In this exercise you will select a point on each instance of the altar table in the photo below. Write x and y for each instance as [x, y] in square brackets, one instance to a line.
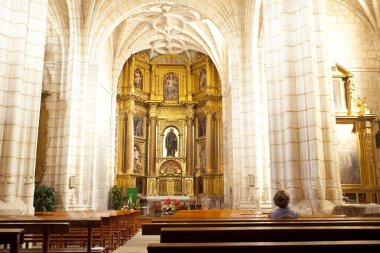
[154, 201]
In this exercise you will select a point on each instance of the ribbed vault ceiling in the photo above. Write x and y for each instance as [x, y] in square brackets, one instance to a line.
[167, 28]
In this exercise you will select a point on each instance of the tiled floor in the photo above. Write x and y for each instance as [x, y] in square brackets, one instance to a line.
[138, 243]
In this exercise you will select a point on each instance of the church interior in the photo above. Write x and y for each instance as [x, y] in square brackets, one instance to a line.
[216, 104]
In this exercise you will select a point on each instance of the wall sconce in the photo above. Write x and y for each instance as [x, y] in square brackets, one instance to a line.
[72, 182]
[251, 180]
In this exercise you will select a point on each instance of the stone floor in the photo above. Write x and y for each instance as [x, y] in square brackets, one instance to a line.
[138, 243]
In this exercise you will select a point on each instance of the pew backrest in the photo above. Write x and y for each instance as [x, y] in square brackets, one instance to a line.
[267, 247]
[38, 227]
[267, 234]
[155, 228]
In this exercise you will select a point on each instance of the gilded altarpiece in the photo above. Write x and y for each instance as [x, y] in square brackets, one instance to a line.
[169, 126]
[356, 158]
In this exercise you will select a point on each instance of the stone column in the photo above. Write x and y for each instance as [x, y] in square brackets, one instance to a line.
[23, 36]
[300, 103]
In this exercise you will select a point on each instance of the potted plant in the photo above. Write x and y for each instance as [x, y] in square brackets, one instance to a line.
[117, 197]
[44, 198]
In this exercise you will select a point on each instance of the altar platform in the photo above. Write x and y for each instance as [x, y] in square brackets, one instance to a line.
[357, 210]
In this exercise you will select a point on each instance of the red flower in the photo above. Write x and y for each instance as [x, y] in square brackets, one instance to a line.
[176, 202]
[167, 202]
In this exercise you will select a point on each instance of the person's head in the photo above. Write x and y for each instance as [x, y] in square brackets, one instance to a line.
[281, 199]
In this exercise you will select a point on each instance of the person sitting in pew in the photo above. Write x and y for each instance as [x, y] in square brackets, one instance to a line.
[281, 199]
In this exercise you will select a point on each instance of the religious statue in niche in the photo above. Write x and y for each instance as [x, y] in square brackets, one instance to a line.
[137, 79]
[170, 86]
[171, 143]
[137, 160]
[201, 127]
[202, 79]
[138, 126]
[202, 160]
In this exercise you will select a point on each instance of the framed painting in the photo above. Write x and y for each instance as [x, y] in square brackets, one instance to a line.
[350, 197]
[349, 165]
[171, 86]
[138, 126]
[342, 87]
[340, 98]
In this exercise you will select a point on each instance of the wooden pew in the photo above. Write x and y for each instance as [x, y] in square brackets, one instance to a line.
[109, 226]
[71, 221]
[117, 226]
[155, 228]
[266, 234]
[43, 228]
[13, 237]
[83, 229]
[232, 215]
[267, 247]
[249, 219]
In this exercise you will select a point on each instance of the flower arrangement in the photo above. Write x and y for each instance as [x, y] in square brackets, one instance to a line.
[130, 205]
[169, 207]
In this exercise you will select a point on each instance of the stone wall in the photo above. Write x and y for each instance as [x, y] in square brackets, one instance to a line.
[355, 45]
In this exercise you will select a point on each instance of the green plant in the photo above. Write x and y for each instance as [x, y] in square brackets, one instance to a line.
[44, 198]
[117, 197]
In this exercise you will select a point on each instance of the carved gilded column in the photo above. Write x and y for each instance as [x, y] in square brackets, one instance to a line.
[152, 146]
[367, 152]
[123, 141]
[131, 74]
[189, 84]
[189, 146]
[218, 136]
[154, 83]
[209, 141]
[130, 143]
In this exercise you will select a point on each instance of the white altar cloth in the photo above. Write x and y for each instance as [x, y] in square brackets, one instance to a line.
[151, 200]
